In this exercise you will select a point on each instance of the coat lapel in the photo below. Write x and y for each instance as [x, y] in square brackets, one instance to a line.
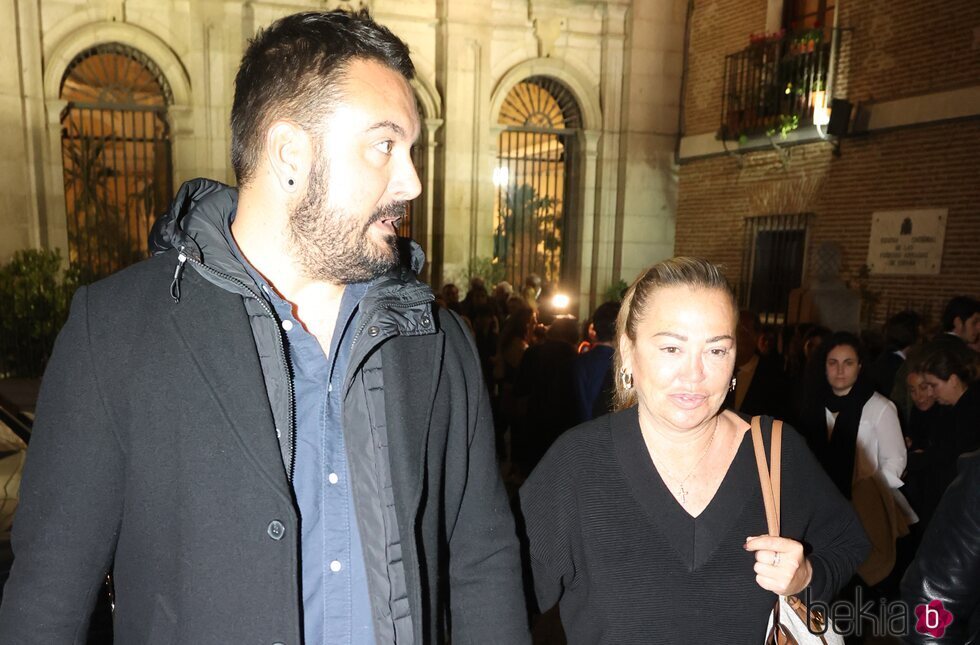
[410, 379]
[214, 328]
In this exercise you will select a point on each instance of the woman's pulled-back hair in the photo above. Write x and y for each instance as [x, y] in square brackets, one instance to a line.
[943, 361]
[694, 273]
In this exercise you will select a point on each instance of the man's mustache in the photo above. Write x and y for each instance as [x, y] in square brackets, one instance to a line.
[389, 211]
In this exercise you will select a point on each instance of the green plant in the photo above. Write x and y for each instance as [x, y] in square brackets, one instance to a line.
[530, 222]
[489, 269]
[615, 291]
[36, 294]
[787, 123]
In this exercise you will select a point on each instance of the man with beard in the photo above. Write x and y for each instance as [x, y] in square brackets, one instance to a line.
[266, 430]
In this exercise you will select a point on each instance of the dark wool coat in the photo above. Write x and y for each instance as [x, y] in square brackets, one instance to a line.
[155, 452]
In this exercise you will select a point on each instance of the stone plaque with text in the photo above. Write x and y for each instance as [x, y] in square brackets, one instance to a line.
[907, 242]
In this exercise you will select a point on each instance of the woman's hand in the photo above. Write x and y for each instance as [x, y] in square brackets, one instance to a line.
[780, 566]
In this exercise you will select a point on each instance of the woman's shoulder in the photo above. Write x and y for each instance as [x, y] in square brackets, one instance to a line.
[581, 449]
[792, 439]
[878, 405]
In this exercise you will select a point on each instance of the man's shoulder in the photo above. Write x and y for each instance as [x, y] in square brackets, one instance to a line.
[138, 281]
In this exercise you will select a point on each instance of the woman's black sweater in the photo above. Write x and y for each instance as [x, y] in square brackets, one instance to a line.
[627, 563]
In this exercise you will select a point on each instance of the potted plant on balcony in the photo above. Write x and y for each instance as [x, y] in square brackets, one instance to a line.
[786, 124]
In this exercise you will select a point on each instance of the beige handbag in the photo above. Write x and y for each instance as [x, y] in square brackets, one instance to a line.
[790, 622]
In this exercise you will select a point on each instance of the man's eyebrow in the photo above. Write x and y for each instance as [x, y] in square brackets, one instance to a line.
[388, 125]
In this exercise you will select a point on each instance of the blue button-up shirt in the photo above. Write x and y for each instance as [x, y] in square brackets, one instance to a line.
[336, 604]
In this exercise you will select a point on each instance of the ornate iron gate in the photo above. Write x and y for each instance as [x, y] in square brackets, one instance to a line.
[116, 154]
[536, 155]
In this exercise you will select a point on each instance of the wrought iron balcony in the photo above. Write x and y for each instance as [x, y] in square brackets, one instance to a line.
[773, 86]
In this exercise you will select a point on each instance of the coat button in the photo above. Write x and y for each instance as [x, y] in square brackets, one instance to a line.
[425, 321]
[276, 530]
[373, 331]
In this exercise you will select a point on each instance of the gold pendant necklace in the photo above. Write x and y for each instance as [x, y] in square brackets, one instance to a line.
[683, 492]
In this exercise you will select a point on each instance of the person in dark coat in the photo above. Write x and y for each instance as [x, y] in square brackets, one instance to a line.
[592, 371]
[942, 586]
[760, 384]
[545, 394]
[266, 430]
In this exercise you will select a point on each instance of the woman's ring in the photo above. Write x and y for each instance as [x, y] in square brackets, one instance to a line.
[775, 559]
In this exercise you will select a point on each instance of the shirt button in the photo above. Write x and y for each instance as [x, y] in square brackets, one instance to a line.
[332, 478]
[335, 566]
[373, 331]
[276, 530]
[287, 324]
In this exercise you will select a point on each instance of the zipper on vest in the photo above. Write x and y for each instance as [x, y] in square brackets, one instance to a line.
[290, 438]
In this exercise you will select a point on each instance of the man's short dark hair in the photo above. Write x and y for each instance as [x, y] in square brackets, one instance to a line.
[902, 330]
[294, 70]
[604, 321]
[962, 307]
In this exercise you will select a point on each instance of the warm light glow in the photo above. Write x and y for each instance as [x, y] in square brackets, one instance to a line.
[559, 301]
[501, 175]
[821, 113]
[821, 116]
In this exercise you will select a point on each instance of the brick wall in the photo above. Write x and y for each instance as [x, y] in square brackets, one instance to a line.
[934, 166]
[902, 48]
[892, 49]
[718, 28]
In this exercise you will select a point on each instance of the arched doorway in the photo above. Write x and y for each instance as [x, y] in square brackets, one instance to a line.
[534, 175]
[116, 154]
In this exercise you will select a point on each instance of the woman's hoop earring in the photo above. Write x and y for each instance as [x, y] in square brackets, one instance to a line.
[626, 378]
[732, 387]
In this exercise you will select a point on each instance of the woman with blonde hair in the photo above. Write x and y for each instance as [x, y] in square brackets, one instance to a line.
[647, 525]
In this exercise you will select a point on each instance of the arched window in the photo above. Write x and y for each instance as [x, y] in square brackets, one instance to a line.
[535, 167]
[116, 154]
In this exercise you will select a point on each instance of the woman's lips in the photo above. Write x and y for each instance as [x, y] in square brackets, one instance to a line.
[688, 400]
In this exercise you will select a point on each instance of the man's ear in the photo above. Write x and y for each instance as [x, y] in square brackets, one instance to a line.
[289, 151]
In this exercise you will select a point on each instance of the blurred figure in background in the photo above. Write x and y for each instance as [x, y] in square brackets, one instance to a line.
[901, 333]
[545, 394]
[760, 383]
[593, 370]
[953, 378]
[856, 435]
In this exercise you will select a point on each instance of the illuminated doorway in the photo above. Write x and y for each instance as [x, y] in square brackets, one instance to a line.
[117, 156]
[534, 177]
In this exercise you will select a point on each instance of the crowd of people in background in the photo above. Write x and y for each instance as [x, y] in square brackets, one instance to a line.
[886, 413]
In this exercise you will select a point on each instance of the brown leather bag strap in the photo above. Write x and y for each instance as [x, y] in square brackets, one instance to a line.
[769, 480]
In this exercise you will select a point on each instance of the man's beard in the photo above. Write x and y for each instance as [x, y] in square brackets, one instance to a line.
[331, 244]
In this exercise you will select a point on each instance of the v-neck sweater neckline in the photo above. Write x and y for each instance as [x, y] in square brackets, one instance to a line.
[693, 539]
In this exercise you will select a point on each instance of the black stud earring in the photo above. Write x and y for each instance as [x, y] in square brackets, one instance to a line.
[290, 182]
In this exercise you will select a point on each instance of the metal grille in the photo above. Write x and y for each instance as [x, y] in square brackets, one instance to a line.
[773, 86]
[116, 155]
[533, 178]
[773, 264]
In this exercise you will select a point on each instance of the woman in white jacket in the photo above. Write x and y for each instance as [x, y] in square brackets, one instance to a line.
[856, 435]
